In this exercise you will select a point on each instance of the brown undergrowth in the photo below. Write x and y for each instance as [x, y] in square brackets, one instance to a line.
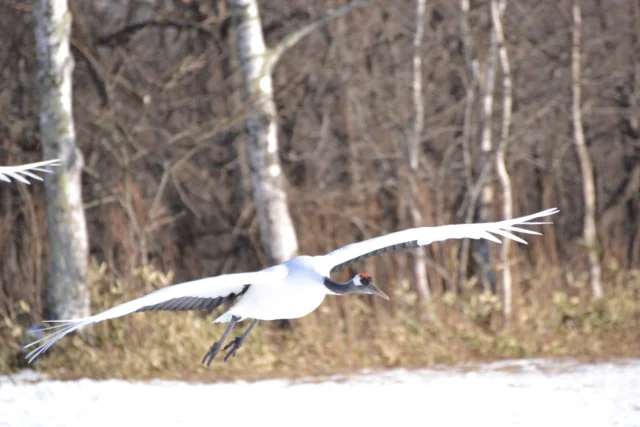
[343, 335]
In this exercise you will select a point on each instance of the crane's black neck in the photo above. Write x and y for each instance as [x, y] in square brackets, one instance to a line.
[340, 288]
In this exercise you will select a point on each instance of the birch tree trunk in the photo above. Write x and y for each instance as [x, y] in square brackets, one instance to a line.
[68, 290]
[420, 277]
[472, 76]
[256, 64]
[481, 192]
[497, 11]
[276, 227]
[586, 167]
[483, 213]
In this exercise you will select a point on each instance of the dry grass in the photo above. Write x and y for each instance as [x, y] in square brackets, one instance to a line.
[343, 335]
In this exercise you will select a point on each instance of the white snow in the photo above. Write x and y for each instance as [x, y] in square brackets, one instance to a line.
[514, 393]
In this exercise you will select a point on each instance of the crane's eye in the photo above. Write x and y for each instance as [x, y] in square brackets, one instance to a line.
[365, 279]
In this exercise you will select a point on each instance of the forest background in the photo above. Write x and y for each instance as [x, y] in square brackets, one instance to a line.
[389, 114]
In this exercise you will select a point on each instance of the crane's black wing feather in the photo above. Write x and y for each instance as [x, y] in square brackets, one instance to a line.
[193, 303]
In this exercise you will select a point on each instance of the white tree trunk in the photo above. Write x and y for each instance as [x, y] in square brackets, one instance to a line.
[276, 227]
[588, 186]
[68, 290]
[419, 258]
[497, 10]
[472, 76]
[256, 63]
[485, 202]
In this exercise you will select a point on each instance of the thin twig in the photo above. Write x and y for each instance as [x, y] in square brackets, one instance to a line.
[290, 40]
[123, 35]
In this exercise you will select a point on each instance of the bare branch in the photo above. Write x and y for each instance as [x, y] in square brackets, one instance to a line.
[293, 38]
[124, 34]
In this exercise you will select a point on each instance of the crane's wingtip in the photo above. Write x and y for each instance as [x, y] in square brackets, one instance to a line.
[550, 211]
[46, 342]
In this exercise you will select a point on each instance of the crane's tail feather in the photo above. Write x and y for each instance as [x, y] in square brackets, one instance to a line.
[63, 328]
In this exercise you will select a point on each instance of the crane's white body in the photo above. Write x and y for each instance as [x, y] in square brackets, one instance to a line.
[22, 172]
[295, 288]
[296, 292]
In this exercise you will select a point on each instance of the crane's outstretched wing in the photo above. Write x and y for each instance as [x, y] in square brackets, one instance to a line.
[202, 294]
[414, 237]
[17, 172]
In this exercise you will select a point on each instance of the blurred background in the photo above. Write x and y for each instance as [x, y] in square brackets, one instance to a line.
[386, 115]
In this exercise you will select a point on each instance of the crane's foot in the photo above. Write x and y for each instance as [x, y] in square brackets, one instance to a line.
[215, 348]
[212, 353]
[238, 341]
[234, 345]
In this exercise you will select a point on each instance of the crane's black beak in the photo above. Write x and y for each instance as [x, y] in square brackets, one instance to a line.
[373, 290]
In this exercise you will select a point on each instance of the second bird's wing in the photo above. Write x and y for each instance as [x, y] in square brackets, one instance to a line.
[415, 237]
[22, 172]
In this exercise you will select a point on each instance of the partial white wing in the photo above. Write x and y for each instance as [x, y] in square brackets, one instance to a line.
[17, 172]
[414, 237]
[203, 294]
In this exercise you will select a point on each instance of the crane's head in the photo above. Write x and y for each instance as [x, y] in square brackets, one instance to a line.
[363, 284]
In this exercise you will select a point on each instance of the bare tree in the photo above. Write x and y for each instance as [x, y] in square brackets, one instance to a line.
[68, 290]
[256, 63]
[497, 11]
[471, 69]
[276, 227]
[419, 259]
[480, 193]
[483, 213]
[586, 167]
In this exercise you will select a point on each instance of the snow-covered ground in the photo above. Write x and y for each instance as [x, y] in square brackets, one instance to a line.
[515, 393]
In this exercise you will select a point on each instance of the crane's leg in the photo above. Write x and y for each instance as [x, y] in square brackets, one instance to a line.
[238, 341]
[215, 348]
